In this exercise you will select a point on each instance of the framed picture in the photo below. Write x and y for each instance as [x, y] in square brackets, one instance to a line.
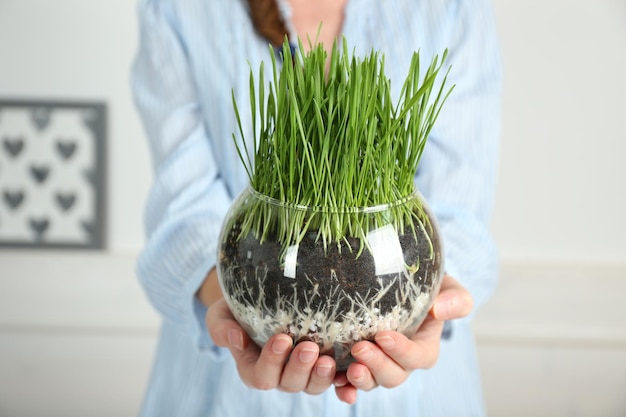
[52, 174]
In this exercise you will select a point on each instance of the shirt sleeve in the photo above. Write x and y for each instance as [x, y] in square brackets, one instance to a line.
[457, 173]
[188, 200]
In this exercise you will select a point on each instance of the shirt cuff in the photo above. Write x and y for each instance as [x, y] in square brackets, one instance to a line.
[196, 311]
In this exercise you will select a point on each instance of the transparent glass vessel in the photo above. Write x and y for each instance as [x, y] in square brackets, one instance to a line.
[332, 276]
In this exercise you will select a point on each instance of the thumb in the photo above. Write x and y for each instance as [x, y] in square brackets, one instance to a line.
[453, 301]
[223, 328]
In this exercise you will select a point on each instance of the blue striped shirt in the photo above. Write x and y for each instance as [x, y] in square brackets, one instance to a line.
[192, 53]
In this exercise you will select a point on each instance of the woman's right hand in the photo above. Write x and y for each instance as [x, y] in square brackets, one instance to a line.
[278, 364]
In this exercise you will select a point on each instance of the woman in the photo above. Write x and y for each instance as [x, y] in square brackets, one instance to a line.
[192, 54]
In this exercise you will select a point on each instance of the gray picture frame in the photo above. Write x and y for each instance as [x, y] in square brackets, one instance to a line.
[94, 115]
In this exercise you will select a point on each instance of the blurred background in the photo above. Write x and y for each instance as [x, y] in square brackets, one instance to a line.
[77, 335]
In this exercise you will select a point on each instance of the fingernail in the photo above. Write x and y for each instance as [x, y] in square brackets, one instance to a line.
[235, 338]
[341, 382]
[307, 355]
[324, 370]
[364, 354]
[281, 345]
[386, 342]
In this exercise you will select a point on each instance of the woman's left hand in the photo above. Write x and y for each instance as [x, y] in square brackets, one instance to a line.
[390, 360]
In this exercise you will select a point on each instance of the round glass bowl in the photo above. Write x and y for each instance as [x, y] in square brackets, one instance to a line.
[332, 276]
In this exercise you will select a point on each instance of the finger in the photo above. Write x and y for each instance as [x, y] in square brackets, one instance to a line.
[226, 332]
[374, 367]
[322, 375]
[360, 377]
[343, 390]
[347, 394]
[224, 329]
[453, 301]
[297, 372]
[419, 352]
[263, 372]
[340, 379]
[260, 369]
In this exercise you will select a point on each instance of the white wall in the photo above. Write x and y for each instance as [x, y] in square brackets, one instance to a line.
[81, 335]
[561, 192]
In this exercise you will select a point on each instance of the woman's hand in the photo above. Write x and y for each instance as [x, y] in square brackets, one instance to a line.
[279, 364]
[390, 360]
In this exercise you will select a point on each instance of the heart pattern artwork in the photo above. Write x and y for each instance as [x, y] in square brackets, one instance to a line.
[66, 148]
[13, 146]
[52, 183]
[13, 199]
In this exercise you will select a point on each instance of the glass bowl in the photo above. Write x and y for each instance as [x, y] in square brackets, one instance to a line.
[328, 275]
